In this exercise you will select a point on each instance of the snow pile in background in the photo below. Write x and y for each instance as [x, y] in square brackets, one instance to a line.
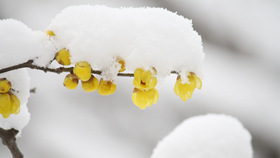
[143, 37]
[21, 88]
[18, 44]
[209, 136]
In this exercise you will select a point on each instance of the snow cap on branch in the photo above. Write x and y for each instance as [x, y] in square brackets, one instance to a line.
[209, 136]
[18, 44]
[142, 37]
[20, 82]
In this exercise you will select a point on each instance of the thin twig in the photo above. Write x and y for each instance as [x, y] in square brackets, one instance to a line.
[9, 139]
[33, 90]
[29, 64]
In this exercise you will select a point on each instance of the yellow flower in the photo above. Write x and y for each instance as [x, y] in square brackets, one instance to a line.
[106, 87]
[5, 105]
[143, 99]
[71, 81]
[185, 90]
[121, 61]
[50, 33]
[90, 85]
[15, 104]
[5, 85]
[9, 104]
[144, 79]
[63, 57]
[82, 70]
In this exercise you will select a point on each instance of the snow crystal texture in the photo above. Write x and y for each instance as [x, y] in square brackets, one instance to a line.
[18, 44]
[143, 37]
[21, 88]
[209, 136]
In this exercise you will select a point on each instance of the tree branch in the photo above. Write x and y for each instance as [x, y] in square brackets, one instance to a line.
[33, 90]
[29, 64]
[9, 139]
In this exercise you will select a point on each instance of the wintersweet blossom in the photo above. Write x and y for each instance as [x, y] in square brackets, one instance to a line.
[185, 90]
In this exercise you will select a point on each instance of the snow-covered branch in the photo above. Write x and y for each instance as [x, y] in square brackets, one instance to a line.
[146, 43]
[30, 64]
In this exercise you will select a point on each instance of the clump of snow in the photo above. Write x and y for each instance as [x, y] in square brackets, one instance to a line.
[143, 37]
[209, 136]
[21, 88]
[18, 44]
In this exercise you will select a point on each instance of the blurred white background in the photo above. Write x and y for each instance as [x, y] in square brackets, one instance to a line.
[242, 79]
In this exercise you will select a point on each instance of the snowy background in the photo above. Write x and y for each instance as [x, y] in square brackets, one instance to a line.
[241, 43]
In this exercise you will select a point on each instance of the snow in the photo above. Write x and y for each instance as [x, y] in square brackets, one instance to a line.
[224, 90]
[143, 37]
[21, 88]
[18, 44]
[206, 136]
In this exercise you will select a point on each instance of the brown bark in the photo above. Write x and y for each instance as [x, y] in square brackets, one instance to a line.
[9, 139]
[29, 64]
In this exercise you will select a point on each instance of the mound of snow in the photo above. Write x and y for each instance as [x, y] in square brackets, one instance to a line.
[209, 136]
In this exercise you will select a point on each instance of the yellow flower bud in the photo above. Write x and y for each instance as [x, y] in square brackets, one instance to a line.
[144, 80]
[15, 104]
[5, 105]
[90, 85]
[106, 87]
[139, 99]
[185, 90]
[176, 87]
[5, 85]
[63, 57]
[50, 33]
[152, 95]
[71, 81]
[143, 99]
[121, 61]
[198, 83]
[83, 70]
